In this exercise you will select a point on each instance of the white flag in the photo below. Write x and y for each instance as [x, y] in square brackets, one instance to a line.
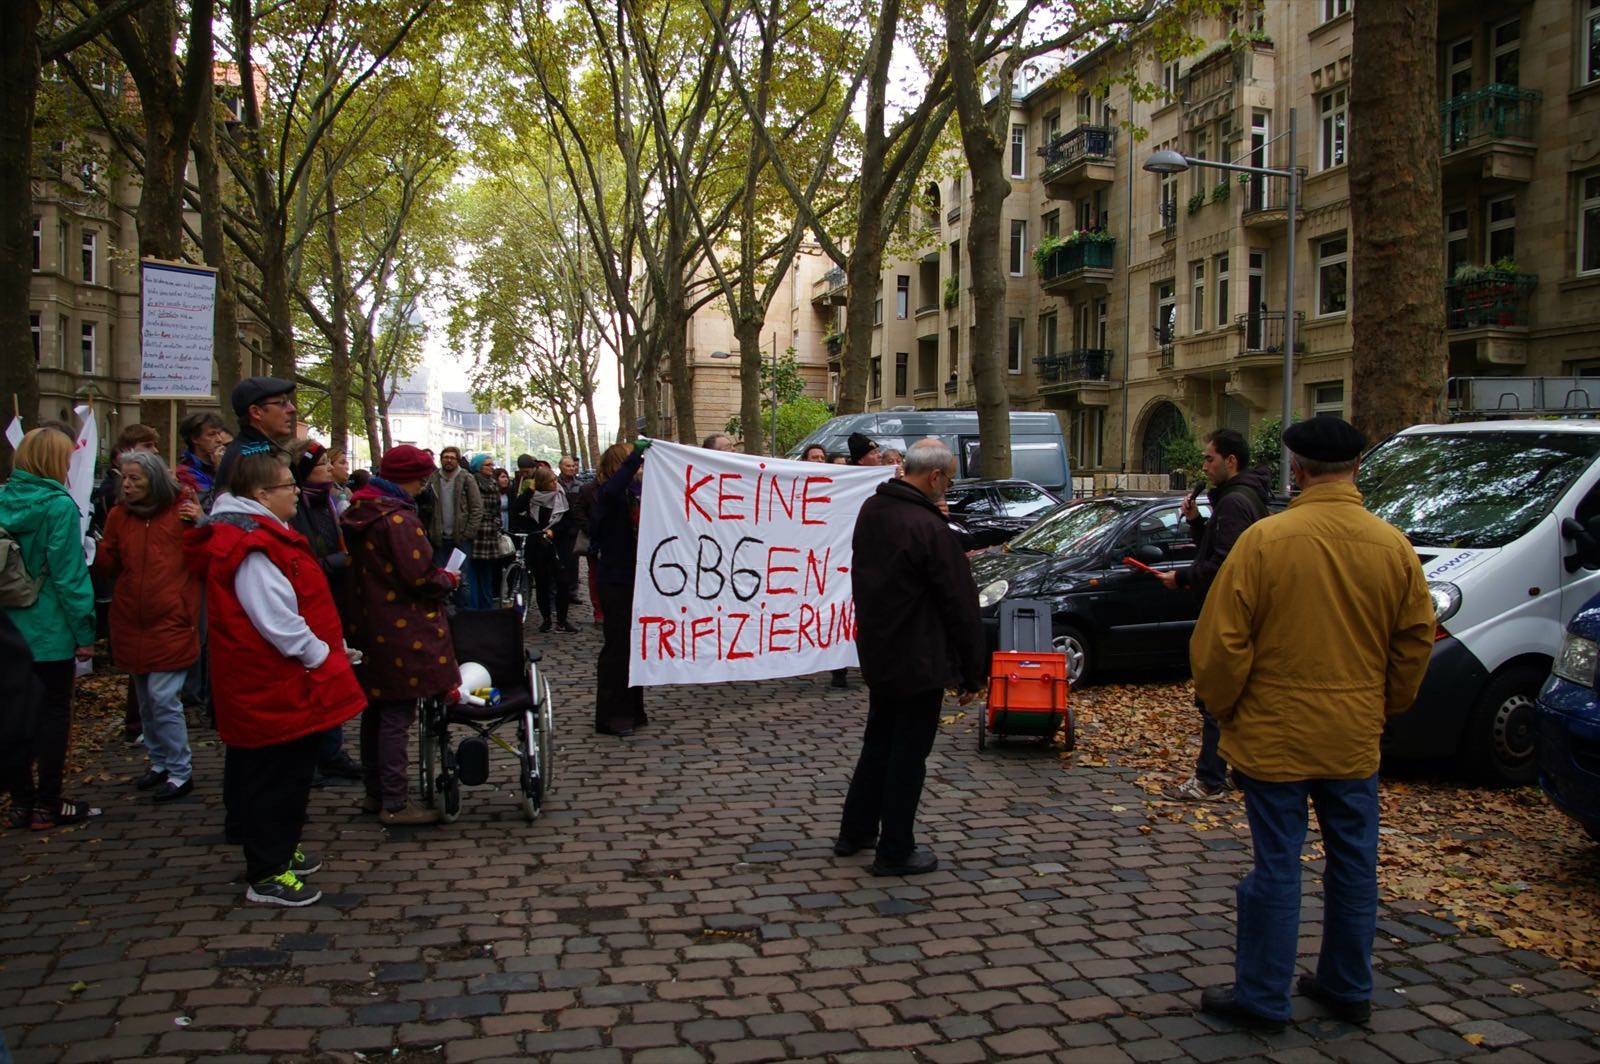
[14, 432]
[80, 471]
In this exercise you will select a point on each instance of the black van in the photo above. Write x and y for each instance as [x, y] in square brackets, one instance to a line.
[1038, 450]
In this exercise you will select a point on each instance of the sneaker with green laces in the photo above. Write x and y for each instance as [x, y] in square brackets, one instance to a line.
[285, 888]
[303, 863]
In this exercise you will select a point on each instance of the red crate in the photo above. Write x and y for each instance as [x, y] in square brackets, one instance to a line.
[1028, 695]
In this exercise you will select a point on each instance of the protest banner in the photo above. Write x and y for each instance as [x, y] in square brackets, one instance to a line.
[744, 566]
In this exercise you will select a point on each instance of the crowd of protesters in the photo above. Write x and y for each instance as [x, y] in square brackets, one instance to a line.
[321, 593]
[324, 595]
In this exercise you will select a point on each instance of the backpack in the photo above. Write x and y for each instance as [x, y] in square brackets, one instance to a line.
[18, 590]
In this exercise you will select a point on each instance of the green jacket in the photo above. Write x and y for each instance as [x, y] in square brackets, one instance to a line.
[44, 521]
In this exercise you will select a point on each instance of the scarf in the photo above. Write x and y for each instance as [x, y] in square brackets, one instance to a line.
[555, 501]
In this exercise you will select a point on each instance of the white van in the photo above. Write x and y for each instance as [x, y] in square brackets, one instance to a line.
[1489, 507]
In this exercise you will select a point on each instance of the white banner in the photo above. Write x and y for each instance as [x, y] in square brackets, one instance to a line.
[744, 566]
[80, 472]
[176, 316]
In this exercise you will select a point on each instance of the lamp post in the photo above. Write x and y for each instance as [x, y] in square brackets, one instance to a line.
[1172, 162]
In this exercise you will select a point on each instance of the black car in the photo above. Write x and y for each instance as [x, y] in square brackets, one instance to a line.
[1104, 612]
[989, 512]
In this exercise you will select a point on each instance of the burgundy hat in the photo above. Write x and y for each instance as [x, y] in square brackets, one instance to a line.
[307, 462]
[405, 462]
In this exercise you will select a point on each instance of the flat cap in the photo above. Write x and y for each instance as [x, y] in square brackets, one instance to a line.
[1325, 438]
[253, 390]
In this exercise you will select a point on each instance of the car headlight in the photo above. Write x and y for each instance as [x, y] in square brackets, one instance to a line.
[992, 593]
[1446, 599]
[1577, 659]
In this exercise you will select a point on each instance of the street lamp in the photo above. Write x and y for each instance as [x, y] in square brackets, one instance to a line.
[1167, 161]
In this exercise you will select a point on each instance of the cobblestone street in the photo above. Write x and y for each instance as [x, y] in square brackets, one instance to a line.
[680, 901]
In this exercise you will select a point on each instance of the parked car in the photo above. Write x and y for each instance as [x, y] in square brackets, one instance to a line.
[1038, 449]
[989, 512]
[1569, 723]
[1104, 612]
[1494, 510]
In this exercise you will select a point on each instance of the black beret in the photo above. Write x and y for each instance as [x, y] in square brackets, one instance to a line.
[253, 390]
[860, 445]
[1325, 438]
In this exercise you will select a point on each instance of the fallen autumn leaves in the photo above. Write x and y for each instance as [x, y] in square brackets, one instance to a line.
[1504, 861]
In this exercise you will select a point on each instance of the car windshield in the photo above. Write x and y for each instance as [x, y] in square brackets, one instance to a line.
[1074, 528]
[1472, 489]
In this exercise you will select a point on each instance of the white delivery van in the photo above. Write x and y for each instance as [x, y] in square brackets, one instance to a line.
[1494, 510]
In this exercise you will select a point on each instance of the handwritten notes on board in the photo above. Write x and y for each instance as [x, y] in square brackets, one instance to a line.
[176, 330]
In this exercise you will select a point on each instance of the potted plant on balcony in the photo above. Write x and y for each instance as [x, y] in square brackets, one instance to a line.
[1197, 201]
[952, 292]
[1221, 191]
[1043, 250]
[834, 342]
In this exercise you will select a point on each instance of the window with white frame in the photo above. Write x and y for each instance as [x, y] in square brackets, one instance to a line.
[1589, 44]
[1223, 315]
[1014, 345]
[1052, 223]
[877, 311]
[1170, 80]
[1333, 109]
[1085, 437]
[1101, 313]
[1019, 245]
[1047, 335]
[36, 330]
[1197, 298]
[1166, 315]
[88, 347]
[1085, 108]
[1332, 9]
[1019, 150]
[90, 238]
[1333, 281]
[1169, 199]
[875, 379]
[1328, 399]
[1589, 224]
[38, 244]
[1505, 42]
[1500, 235]
[1050, 128]
[902, 296]
[86, 175]
[1200, 148]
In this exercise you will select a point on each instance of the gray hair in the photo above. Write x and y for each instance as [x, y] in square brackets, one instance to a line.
[926, 456]
[1316, 468]
[164, 486]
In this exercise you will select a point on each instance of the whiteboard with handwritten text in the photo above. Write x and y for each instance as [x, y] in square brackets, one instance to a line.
[176, 326]
[744, 566]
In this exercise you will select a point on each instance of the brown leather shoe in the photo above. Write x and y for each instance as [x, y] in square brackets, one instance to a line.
[409, 815]
[371, 804]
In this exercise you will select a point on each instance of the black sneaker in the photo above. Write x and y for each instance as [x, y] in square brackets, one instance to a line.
[1218, 1001]
[303, 863]
[915, 863]
[171, 792]
[545, 625]
[285, 889]
[563, 626]
[1356, 1012]
[152, 777]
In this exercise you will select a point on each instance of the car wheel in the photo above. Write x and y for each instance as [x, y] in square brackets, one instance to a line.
[1500, 741]
[1593, 831]
[1071, 642]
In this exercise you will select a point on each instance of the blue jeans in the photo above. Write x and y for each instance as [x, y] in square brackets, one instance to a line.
[1209, 768]
[1269, 896]
[166, 733]
[481, 584]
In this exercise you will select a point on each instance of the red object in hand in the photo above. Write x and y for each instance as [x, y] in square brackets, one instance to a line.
[1137, 564]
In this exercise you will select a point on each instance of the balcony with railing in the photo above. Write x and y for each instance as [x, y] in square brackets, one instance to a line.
[1489, 299]
[1079, 160]
[1266, 203]
[1084, 372]
[1083, 263]
[831, 287]
[1263, 332]
[1489, 133]
[953, 215]
[1167, 220]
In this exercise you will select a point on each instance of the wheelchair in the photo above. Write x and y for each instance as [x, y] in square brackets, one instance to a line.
[514, 580]
[493, 638]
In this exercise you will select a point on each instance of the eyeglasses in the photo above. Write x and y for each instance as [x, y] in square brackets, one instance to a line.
[280, 401]
[291, 485]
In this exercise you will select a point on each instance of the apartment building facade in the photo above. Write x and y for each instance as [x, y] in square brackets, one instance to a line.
[1140, 306]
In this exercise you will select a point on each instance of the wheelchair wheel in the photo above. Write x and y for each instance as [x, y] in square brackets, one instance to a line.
[547, 740]
[514, 593]
[530, 773]
[447, 785]
[427, 750]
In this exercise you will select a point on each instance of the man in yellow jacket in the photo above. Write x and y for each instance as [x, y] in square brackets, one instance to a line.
[1318, 627]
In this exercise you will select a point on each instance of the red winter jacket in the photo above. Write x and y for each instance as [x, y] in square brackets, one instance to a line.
[155, 601]
[262, 697]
